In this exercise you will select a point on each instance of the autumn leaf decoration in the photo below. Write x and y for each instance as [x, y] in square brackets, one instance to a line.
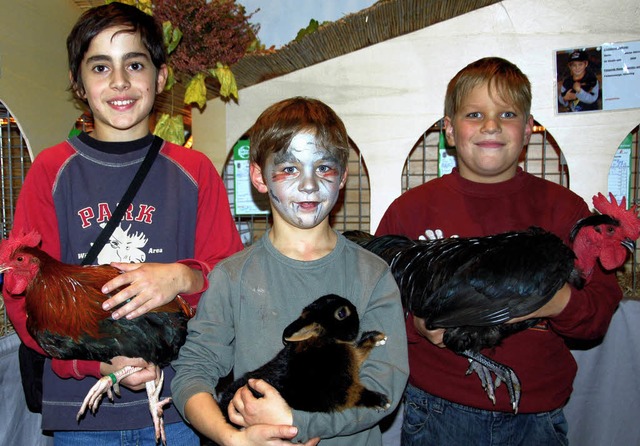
[203, 39]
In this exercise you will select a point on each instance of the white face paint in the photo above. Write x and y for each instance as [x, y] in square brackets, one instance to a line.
[303, 181]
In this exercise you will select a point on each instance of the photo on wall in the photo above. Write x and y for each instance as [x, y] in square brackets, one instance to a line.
[579, 80]
[606, 77]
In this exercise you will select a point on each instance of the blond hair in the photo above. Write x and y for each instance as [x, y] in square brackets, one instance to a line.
[501, 76]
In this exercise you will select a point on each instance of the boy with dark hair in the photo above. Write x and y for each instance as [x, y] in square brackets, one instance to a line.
[488, 120]
[179, 222]
[299, 151]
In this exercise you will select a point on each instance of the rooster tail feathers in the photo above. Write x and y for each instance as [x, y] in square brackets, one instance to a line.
[359, 237]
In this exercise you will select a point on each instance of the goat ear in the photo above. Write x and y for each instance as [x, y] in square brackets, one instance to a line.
[304, 333]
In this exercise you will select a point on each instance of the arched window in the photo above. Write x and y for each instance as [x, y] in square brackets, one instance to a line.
[15, 162]
[625, 174]
[429, 158]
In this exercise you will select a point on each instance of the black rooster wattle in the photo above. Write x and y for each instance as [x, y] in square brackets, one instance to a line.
[472, 286]
[64, 311]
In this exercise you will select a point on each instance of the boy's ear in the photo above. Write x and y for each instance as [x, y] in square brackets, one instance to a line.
[345, 174]
[255, 173]
[79, 92]
[528, 130]
[161, 78]
[448, 132]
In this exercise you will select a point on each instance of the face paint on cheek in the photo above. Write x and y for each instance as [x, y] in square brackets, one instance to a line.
[274, 197]
[278, 177]
[303, 182]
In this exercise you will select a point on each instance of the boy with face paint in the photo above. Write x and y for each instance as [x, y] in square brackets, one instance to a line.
[303, 182]
[299, 153]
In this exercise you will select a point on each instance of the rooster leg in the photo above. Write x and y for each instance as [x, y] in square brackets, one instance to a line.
[485, 378]
[104, 385]
[484, 366]
[156, 406]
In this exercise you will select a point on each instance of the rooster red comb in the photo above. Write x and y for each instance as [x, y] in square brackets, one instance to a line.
[31, 239]
[628, 217]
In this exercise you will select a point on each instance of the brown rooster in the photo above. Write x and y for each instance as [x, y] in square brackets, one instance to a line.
[64, 311]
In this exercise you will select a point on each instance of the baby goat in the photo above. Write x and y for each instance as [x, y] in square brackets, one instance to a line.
[317, 370]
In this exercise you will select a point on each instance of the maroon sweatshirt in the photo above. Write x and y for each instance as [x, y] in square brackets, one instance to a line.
[538, 356]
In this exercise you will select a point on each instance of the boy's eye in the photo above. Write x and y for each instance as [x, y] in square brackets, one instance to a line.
[509, 114]
[289, 169]
[474, 115]
[99, 68]
[136, 66]
[324, 169]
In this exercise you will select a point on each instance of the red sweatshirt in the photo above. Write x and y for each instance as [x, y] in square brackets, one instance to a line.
[538, 356]
[180, 212]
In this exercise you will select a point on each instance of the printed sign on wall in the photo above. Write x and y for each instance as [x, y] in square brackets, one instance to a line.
[606, 77]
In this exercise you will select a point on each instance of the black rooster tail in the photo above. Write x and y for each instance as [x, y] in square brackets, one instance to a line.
[359, 237]
[385, 246]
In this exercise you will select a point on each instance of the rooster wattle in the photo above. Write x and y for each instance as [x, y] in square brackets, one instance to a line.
[472, 286]
[64, 311]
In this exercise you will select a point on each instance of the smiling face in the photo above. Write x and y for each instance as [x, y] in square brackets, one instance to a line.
[489, 136]
[120, 83]
[578, 68]
[303, 182]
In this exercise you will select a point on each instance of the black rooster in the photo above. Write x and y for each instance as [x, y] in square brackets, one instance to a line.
[317, 370]
[65, 317]
[473, 286]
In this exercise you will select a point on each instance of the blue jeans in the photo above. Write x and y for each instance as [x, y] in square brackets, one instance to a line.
[178, 434]
[433, 421]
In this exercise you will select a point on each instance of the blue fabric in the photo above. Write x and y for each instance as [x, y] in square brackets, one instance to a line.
[432, 421]
[18, 426]
[178, 434]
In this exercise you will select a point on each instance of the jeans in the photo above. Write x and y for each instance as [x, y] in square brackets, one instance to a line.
[433, 421]
[178, 434]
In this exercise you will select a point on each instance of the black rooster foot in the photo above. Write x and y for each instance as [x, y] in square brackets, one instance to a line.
[484, 367]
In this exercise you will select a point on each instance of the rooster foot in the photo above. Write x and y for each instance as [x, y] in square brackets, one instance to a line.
[484, 366]
[156, 407]
[104, 385]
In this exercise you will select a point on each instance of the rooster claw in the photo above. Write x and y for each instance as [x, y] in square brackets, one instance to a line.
[484, 366]
[156, 407]
[104, 385]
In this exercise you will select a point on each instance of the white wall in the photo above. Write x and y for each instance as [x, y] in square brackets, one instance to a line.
[390, 93]
[33, 68]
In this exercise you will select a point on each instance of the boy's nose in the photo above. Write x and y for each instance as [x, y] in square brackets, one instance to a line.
[491, 125]
[120, 80]
[308, 184]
